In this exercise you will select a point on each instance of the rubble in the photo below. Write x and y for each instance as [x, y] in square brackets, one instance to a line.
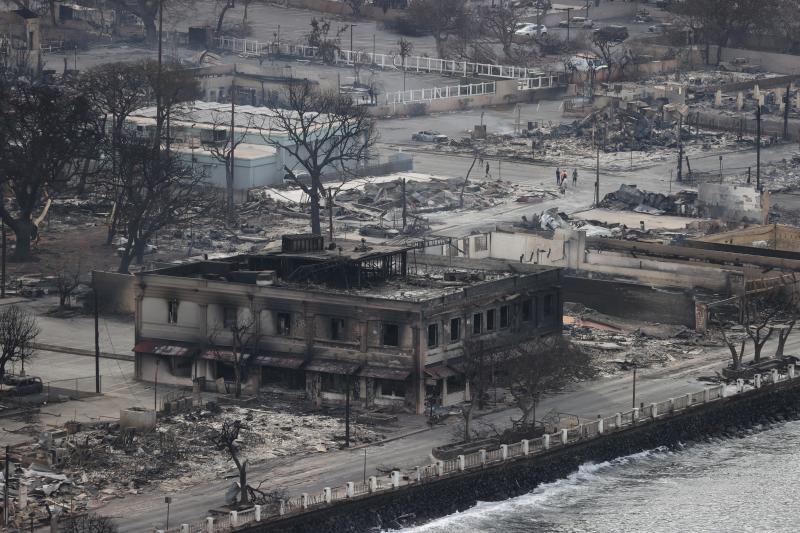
[630, 197]
[86, 464]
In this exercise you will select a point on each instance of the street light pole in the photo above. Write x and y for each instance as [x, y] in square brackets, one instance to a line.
[634, 387]
[167, 500]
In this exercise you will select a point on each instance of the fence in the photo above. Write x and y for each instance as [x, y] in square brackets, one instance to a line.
[252, 48]
[74, 388]
[439, 93]
[586, 431]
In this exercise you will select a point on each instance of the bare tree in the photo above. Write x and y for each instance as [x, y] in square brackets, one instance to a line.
[442, 18]
[117, 89]
[224, 151]
[225, 439]
[328, 45]
[320, 131]
[356, 6]
[608, 40]
[502, 22]
[156, 194]
[45, 131]
[18, 332]
[758, 313]
[533, 367]
[736, 342]
[67, 278]
[87, 523]
[475, 366]
[244, 338]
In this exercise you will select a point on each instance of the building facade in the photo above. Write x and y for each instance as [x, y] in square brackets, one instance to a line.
[321, 321]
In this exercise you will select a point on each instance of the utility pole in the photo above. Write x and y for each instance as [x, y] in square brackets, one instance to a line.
[569, 10]
[96, 336]
[6, 478]
[405, 204]
[232, 154]
[680, 149]
[587, 8]
[347, 414]
[597, 179]
[786, 101]
[353, 54]
[3, 281]
[758, 147]
[634, 387]
[330, 214]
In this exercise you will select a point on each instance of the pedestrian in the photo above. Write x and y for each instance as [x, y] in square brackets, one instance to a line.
[564, 178]
[574, 177]
[558, 176]
[487, 169]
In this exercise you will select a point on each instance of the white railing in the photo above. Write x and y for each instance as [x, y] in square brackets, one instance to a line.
[532, 78]
[585, 431]
[439, 93]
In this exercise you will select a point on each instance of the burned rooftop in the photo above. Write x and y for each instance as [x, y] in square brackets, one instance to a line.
[346, 266]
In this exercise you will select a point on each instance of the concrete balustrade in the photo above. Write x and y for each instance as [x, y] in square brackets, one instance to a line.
[469, 462]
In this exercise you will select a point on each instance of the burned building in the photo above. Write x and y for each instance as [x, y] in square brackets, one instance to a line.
[320, 320]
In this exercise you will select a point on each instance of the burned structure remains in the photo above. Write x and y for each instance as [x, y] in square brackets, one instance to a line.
[322, 319]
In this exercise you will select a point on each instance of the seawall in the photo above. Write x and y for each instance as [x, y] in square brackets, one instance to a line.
[442, 496]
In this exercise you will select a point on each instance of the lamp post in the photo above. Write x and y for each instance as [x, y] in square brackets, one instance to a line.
[167, 500]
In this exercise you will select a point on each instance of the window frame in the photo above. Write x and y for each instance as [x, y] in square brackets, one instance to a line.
[227, 321]
[172, 311]
[384, 326]
[457, 329]
[477, 323]
[433, 327]
[505, 322]
[285, 318]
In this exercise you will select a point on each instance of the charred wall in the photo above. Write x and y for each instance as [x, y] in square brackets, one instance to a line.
[632, 300]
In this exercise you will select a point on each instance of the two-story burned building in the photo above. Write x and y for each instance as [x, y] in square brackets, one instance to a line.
[325, 319]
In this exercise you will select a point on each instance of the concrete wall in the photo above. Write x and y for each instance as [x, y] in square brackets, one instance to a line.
[733, 203]
[632, 300]
[769, 61]
[116, 294]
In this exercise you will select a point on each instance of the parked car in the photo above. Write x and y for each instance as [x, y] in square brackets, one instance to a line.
[23, 385]
[531, 29]
[429, 137]
[577, 22]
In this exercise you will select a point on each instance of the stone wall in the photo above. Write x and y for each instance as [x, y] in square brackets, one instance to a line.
[512, 478]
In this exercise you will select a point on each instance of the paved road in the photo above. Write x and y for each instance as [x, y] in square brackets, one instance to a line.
[655, 178]
[312, 473]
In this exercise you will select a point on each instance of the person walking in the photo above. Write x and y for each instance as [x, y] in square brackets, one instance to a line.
[564, 178]
[558, 176]
[574, 177]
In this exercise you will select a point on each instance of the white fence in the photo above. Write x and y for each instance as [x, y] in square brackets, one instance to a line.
[531, 78]
[421, 474]
[439, 93]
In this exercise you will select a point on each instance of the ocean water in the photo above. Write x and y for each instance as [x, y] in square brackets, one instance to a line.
[751, 483]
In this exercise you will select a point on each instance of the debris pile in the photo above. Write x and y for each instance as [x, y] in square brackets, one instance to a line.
[86, 464]
[630, 197]
[429, 196]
